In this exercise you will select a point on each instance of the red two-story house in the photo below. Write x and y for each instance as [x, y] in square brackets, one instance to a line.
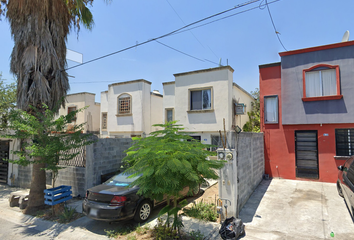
[307, 112]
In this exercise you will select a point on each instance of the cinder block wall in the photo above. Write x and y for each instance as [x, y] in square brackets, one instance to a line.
[104, 156]
[107, 154]
[250, 168]
[74, 177]
[24, 176]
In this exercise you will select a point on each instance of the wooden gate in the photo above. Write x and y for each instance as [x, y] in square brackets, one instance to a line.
[306, 154]
[4, 165]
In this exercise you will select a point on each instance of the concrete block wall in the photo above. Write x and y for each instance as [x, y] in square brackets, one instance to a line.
[108, 154]
[24, 176]
[74, 177]
[250, 169]
[104, 156]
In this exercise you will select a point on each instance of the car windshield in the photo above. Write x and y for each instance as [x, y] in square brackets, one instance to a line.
[120, 180]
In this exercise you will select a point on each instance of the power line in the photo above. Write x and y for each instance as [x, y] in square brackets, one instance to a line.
[276, 32]
[190, 30]
[247, 10]
[180, 51]
[165, 35]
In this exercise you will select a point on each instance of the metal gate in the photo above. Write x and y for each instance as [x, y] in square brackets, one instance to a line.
[306, 154]
[4, 154]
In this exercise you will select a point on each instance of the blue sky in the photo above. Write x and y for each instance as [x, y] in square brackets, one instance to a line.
[245, 40]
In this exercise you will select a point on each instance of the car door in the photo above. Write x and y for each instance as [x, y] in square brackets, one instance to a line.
[348, 187]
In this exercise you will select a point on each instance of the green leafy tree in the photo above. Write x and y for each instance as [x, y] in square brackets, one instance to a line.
[7, 102]
[253, 124]
[40, 29]
[45, 139]
[168, 161]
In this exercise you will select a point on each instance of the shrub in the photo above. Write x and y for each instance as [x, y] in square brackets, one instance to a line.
[67, 215]
[203, 211]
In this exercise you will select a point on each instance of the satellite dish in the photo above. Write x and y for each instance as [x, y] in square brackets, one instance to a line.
[345, 36]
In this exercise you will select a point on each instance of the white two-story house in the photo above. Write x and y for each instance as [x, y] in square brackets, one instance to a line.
[201, 100]
[130, 109]
[90, 116]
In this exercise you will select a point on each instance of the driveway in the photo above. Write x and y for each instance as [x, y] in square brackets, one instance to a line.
[292, 209]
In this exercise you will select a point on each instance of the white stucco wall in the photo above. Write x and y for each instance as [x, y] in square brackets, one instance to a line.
[104, 108]
[156, 114]
[168, 98]
[241, 96]
[145, 109]
[89, 115]
[224, 93]
[220, 80]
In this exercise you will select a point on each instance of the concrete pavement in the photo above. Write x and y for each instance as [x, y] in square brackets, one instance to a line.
[278, 209]
[20, 226]
[291, 209]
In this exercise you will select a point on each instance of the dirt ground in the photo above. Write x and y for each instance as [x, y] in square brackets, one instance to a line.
[210, 195]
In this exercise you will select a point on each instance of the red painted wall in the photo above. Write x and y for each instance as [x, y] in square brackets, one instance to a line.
[279, 140]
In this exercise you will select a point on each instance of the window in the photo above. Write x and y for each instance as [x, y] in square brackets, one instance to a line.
[169, 115]
[72, 109]
[216, 140]
[321, 82]
[271, 109]
[104, 121]
[124, 104]
[344, 142]
[198, 138]
[200, 99]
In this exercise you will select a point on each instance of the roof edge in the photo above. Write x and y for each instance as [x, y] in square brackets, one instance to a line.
[72, 94]
[204, 70]
[318, 48]
[166, 83]
[270, 65]
[243, 90]
[128, 82]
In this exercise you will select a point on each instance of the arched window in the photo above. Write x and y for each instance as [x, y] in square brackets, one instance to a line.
[124, 104]
[321, 82]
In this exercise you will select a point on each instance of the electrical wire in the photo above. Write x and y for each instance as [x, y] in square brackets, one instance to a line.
[165, 35]
[275, 29]
[179, 51]
[190, 31]
[247, 10]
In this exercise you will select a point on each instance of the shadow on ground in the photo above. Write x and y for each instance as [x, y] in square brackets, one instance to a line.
[100, 227]
[249, 209]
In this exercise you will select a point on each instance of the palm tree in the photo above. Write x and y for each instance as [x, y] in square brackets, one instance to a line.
[40, 29]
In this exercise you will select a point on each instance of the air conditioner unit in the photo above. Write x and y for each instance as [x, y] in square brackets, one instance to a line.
[240, 108]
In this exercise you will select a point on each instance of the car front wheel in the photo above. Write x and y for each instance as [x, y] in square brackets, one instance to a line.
[143, 212]
[339, 188]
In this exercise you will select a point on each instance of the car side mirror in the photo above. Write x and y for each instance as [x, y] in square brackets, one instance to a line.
[340, 168]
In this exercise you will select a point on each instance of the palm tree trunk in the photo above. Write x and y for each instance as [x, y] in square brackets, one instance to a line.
[38, 185]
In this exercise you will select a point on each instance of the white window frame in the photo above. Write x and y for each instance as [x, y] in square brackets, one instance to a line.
[276, 116]
[125, 113]
[201, 89]
[166, 115]
[106, 120]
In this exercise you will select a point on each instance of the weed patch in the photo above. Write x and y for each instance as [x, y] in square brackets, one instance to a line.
[203, 211]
